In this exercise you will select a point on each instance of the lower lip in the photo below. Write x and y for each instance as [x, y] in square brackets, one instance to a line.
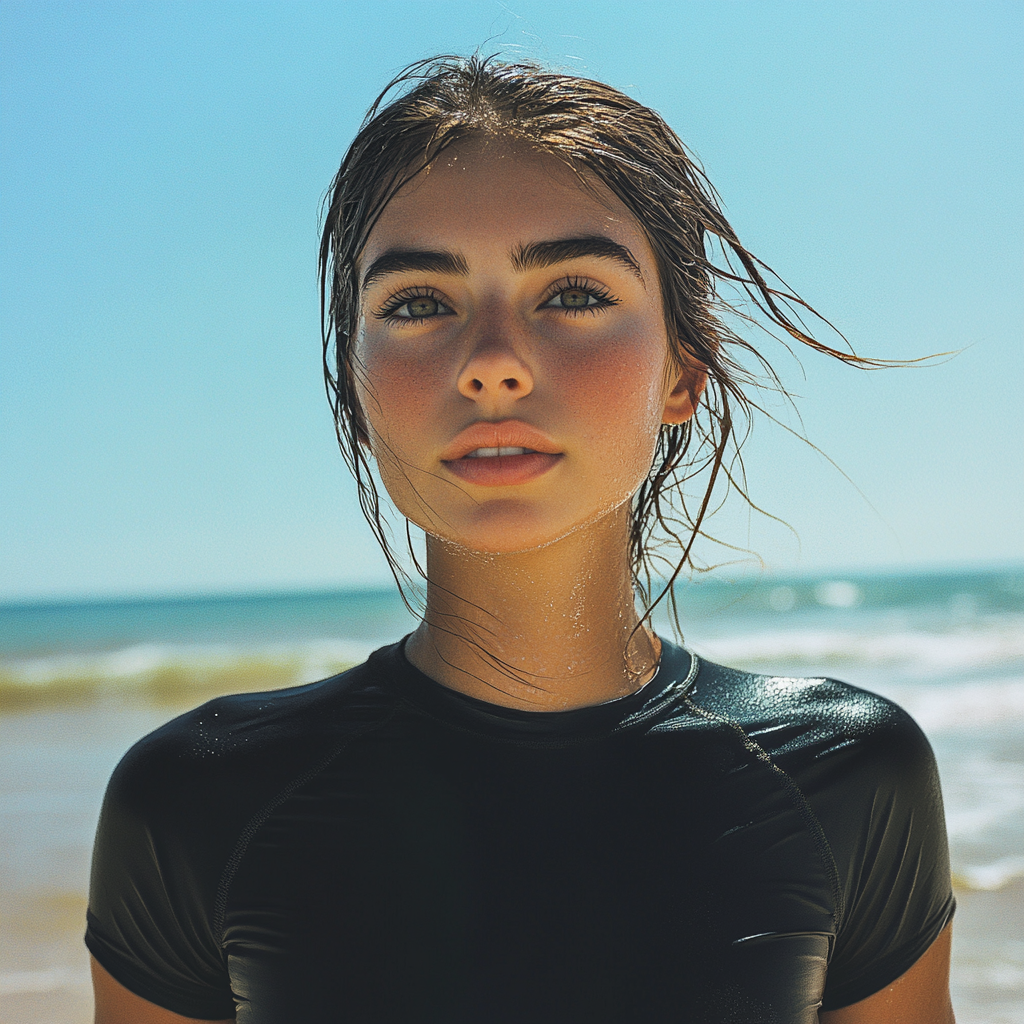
[503, 470]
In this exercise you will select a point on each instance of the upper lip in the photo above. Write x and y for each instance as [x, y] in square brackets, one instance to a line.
[505, 434]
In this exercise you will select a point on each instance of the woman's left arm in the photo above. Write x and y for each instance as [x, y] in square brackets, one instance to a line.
[921, 996]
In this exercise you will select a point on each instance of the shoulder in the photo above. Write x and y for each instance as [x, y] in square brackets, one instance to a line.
[185, 791]
[247, 743]
[859, 760]
[198, 779]
[869, 778]
[802, 722]
[175, 810]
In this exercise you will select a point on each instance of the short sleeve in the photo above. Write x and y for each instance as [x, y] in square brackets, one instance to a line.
[153, 885]
[880, 804]
[178, 813]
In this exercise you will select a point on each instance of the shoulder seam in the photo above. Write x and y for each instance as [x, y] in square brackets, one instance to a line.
[257, 820]
[808, 815]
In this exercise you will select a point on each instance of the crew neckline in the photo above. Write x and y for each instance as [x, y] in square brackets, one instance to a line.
[675, 673]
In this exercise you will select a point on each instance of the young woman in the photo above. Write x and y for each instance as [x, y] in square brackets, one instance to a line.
[532, 809]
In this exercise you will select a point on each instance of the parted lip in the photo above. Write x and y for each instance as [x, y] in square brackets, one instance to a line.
[504, 434]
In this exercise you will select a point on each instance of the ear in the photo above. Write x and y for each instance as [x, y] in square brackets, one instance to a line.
[682, 401]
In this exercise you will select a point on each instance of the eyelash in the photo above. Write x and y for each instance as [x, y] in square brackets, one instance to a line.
[388, 311]
[581, 284]
[604, 298]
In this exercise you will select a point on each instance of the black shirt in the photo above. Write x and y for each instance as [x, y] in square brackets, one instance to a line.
[718, 847]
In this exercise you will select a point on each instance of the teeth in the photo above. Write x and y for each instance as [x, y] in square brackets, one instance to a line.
[490, 453]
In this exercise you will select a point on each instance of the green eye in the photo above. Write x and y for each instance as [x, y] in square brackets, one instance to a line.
[575, 298]
[413, 307]
[580, 297]
[423, 306]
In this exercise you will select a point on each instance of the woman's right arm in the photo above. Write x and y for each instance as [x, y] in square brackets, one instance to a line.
[117, 1005]
[166, 829]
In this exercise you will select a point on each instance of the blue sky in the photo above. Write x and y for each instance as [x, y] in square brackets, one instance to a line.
[163, 427]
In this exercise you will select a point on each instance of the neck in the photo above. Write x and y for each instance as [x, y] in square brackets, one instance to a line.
[545, 630]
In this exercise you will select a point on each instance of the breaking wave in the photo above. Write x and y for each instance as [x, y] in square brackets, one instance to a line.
[170, 674]
[988, 644]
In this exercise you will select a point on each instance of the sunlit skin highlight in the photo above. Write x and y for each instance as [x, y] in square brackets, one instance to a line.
[533, 305]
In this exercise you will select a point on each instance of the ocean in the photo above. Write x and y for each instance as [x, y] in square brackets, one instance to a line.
[79, 682]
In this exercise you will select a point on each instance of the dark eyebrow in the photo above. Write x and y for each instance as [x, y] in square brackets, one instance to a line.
[435, 261]
[545, 254]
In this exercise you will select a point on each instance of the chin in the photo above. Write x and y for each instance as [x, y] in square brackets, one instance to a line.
[514, 531]
[499, 542]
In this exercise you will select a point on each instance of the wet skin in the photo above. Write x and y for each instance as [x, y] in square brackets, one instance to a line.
[573, 346]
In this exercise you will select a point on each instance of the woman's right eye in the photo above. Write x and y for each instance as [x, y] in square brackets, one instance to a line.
[414, 307]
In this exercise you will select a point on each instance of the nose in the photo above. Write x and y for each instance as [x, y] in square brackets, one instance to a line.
[495, 372]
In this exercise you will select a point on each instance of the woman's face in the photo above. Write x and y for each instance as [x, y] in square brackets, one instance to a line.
[511, 353]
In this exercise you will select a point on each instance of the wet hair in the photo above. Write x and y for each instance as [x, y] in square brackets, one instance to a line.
[600, 132]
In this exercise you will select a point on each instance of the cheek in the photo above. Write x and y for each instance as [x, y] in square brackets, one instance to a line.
[617, 395]
[395, 388]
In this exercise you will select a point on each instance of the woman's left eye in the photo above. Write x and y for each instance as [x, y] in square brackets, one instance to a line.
[578, 297]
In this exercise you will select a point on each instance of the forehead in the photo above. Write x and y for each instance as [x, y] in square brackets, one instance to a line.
[488, 193]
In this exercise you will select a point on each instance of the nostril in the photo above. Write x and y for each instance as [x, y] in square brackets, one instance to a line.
[480, 385]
